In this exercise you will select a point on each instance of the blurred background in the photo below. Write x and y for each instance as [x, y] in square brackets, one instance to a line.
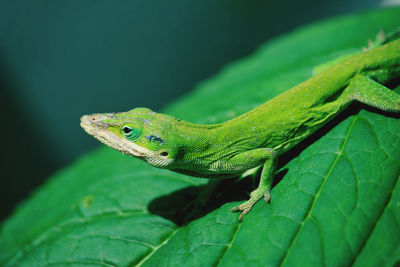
[62, 59]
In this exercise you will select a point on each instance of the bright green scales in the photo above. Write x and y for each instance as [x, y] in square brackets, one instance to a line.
[259, 136]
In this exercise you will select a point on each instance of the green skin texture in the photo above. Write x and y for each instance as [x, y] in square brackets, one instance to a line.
[259, 136]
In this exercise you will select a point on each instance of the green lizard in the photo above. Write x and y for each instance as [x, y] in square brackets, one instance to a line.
[259, 136]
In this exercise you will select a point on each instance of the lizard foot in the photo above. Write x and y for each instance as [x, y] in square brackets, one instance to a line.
[255, 196]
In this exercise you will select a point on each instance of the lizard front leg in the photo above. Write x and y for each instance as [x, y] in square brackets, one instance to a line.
[266, 179]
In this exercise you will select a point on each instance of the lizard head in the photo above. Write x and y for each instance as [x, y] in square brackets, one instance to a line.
[140, 132]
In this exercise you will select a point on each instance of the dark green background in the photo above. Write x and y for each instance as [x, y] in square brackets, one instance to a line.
[62, 59]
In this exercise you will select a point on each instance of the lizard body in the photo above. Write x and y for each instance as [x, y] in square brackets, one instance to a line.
[259, 136]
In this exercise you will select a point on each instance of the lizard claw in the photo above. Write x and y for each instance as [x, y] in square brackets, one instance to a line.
[244, 208]
[248, 205]
[267, 196]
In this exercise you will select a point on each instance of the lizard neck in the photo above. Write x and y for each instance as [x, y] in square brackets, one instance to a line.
[199, 144]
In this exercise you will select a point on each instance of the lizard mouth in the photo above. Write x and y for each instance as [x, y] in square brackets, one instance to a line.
[92, 124]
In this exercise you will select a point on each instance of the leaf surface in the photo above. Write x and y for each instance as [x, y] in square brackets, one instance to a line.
[336, 202]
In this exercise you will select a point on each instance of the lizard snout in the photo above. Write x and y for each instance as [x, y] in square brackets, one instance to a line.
[87, 120]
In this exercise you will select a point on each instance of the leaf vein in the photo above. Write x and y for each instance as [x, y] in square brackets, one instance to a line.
[165, 241]
[235, 232]
[60, 229]
[385, 207]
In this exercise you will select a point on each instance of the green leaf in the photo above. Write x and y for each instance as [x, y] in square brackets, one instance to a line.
[336, 201]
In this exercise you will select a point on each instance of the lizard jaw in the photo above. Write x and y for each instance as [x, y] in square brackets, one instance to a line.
[93, 126]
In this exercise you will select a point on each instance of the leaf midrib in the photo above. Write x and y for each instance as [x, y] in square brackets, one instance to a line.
[310, 210]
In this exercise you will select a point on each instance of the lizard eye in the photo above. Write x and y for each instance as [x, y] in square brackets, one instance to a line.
[130, 133]
[164, 153]
[126, 129]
